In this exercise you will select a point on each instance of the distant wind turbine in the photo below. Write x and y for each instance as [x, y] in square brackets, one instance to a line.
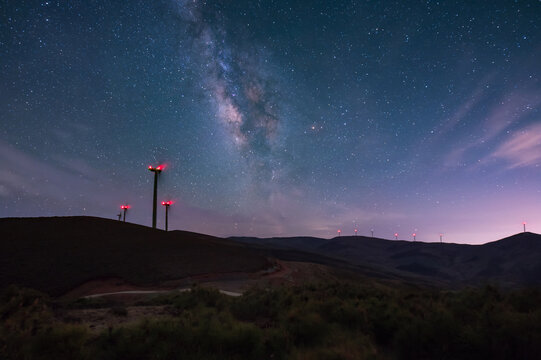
[124, 208]
[166, 204]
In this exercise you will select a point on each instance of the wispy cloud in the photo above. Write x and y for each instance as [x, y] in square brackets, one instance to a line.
[61, 183]
[513, 109]
[465, 109]
[23, 174]
[523, 149]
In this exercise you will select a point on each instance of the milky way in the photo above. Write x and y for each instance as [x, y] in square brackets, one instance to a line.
[276, 118]
[239, 87]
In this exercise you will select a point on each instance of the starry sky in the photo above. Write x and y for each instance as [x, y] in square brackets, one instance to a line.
[276, 118]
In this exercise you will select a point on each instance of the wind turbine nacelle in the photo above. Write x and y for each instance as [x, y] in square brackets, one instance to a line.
[156, 169]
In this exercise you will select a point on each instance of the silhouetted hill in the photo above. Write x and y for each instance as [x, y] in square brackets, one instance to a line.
[513, 261]
[55, 254]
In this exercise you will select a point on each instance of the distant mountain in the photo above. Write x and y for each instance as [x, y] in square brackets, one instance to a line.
[513, 261]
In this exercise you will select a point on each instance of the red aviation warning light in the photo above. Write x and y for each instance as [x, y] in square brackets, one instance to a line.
[396, 236]
[158, 168]
[339, 232]
[414, 236]
[356, 232]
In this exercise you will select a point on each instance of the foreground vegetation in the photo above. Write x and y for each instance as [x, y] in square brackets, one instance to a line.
[321, 321]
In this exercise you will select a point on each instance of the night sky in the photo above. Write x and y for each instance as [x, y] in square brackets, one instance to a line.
[276, 118]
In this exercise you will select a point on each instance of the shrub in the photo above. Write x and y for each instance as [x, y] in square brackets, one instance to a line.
[306, 328]
[58, 342]
[317, 321]
[261, 305]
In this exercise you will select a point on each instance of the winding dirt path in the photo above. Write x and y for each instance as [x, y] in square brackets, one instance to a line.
[232, 284]
[144, 292]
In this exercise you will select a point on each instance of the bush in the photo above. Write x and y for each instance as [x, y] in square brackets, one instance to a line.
[261, 305]
[58, 342]
[316, 321]
[306, 328]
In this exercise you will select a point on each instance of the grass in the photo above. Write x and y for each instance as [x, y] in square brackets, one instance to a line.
[338, 320]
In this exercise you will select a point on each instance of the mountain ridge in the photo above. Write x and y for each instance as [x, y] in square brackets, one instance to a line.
[510, 261]
[57, 254]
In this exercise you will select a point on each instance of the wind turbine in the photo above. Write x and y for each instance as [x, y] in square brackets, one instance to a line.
[166, 204]
[156, 170]
[124, 209]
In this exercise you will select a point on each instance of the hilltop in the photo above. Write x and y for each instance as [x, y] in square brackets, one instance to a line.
[56, 254]
[59, 254]
[79, 256]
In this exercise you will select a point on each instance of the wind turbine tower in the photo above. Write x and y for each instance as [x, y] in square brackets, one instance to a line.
[124, 208]
[166, 204]
[156, 170]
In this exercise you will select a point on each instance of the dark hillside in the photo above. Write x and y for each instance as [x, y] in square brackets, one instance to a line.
[55, 254]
